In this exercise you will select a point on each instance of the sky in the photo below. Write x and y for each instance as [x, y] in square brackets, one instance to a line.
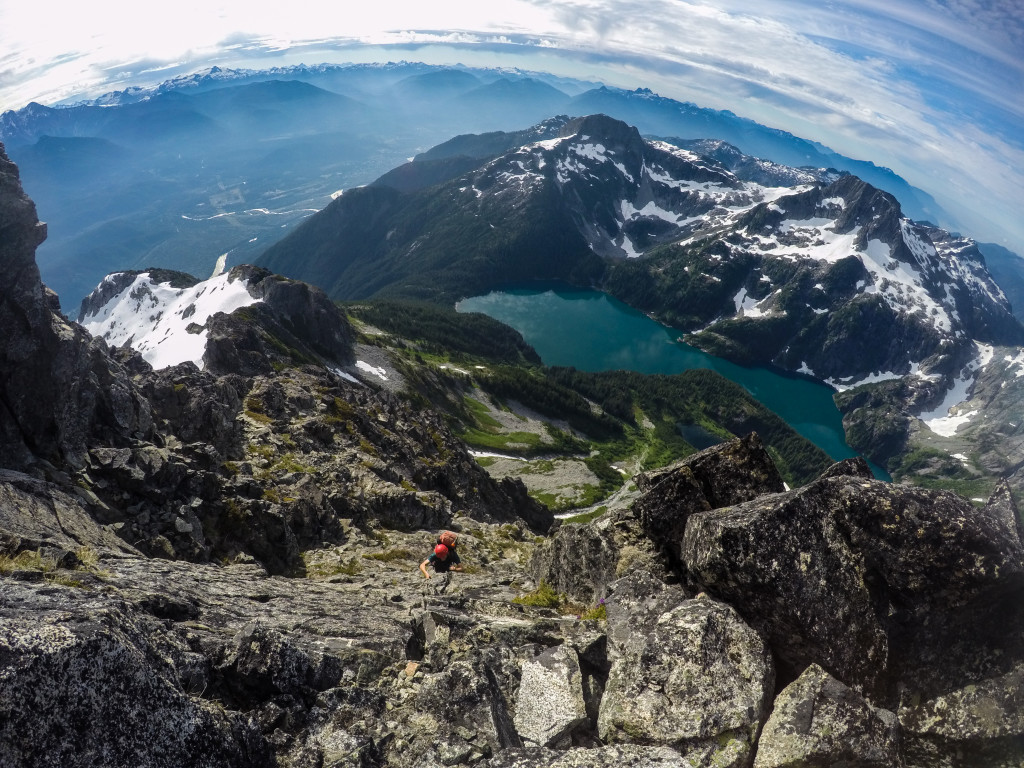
[933, 89]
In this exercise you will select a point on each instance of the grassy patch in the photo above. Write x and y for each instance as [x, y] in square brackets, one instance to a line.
[27, 561]
[481, 414]
[288, 463]
[262, 451]
[259, 418]
[320, 569]
[544, 596]
[486, 461]
[513, 442]
[88, 560]
[390, 555]
[274, 496]
[586, 517]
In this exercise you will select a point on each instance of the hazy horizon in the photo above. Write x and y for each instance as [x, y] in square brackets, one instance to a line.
[931, 89]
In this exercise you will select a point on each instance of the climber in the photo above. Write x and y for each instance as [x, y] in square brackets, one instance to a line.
[442, 561]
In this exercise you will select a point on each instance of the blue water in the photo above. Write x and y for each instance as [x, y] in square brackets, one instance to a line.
[591, 331]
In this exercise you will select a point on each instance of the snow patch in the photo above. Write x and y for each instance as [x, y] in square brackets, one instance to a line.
[746, 305]
[1015, 361]
[154, 318]
[373, 370]
[949, 416]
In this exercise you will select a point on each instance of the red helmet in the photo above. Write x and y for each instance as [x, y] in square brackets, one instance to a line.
[441, 551]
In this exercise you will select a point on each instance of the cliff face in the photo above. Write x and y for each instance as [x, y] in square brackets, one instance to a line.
[59, 393]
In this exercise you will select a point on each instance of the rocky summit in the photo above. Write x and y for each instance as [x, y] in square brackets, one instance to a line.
[211, 559]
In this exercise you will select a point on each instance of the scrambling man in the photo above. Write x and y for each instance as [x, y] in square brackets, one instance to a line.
[442, 560]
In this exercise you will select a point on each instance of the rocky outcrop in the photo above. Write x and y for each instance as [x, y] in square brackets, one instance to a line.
[292, 324]
[871, 564]
[818, 722]
[979, 724]
[699, 680]
[118, 691]
[364, 666]
[720, 476]
[612, 756]
[59, 392]
[550, 698]
[870, 596]
[583, 560]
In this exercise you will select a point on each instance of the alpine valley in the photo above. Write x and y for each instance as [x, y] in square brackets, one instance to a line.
[813, 271]
[214, 493]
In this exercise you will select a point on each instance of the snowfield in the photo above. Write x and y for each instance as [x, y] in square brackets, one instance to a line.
[155, 318]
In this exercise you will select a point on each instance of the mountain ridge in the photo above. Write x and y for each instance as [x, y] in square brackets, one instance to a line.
[222, 187]
[807, 278]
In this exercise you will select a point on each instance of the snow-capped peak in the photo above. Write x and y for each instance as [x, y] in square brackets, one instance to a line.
[166, 324]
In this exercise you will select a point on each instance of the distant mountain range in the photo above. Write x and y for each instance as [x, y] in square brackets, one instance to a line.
[227, 161]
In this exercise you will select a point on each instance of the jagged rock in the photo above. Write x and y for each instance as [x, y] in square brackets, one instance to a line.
[980, 724]
[635, 603]
[699, 680]
[112, 687]
[549, 704]
[872, 581]
[293, 324]
[727, 474]
[59, 392]
[465, 709]
[855, 467]
[818, 722]
[1003, 511]
[263, 663]
[38, 515]
[613, 756]
[720, 476]
[583, 559]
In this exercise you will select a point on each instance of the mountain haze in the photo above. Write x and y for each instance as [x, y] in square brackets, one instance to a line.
[225, 162]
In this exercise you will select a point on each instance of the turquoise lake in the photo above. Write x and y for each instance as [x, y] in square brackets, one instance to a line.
[591, 331]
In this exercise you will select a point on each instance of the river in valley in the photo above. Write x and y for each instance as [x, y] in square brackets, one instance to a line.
[591, 331]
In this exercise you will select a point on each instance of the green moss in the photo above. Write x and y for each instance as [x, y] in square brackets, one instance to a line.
[544, 596]
[274, 496]
[288, 463]
[263, 451]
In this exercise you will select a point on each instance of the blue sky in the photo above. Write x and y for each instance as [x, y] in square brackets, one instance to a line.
[933, 89]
